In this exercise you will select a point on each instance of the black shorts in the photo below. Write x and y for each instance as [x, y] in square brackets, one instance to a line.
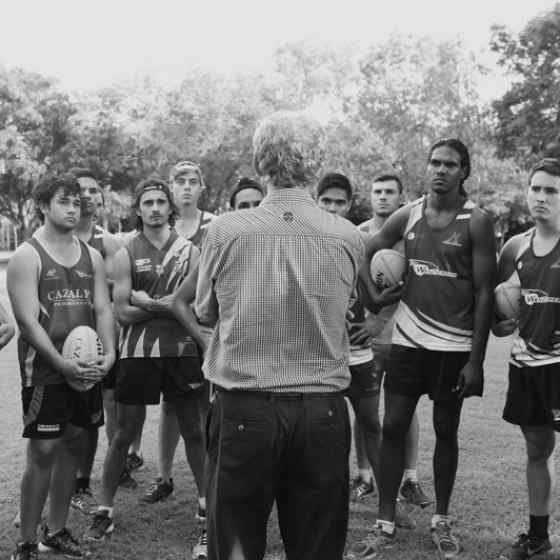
[143, 380]
[110, 380]
[47, 409]
[365, 381]
[413, 372]
[532, 394]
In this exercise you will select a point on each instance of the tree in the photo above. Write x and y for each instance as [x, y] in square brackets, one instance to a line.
[34, 127]
[528, 114]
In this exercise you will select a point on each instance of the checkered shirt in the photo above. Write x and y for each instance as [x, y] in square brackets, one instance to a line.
[278, 280]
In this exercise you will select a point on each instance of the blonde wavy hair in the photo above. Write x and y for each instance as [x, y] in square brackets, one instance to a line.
[288, 148]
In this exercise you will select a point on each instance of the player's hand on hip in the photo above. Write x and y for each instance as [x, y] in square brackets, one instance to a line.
[470, 380]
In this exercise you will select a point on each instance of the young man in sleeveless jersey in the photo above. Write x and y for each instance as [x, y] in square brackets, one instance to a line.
[157, 355]
[386, 198]
[441, 329]
[334, 195]
[55, 283]
[532, 260]
[95, 236]
[187, 186]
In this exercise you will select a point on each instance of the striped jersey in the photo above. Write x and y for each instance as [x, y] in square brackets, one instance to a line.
[158, 272]
[65, 301]
[537, 342]
[436, 310]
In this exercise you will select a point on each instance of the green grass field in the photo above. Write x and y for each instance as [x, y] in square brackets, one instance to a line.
[489, 502]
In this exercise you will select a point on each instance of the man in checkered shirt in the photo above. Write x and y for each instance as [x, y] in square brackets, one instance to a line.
[277, 282]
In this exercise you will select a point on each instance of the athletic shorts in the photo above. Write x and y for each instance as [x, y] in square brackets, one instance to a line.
[143, 380]
[532, 394]
[365, 381]
[413, 372]
[47, 409]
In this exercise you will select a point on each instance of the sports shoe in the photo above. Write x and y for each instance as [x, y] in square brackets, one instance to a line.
[445, 541]
[363, 489]
[134, 462]
[370, 547]
[403, 518]
[158, 490]
[25, 551]
[84, 501]
[412, 492]
[101, 526]
[200, 514]
[525, 547]
[62, 542]
[127, 481]
[200, 549]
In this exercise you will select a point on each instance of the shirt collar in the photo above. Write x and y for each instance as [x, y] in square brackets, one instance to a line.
[291, 195]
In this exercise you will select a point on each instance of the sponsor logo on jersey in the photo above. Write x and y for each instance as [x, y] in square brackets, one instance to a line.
[555, 265]
[82, 274]
[427, 268]
[69, 296]
[411, 236]
[533, 297]
[159, 269]
[143, 265]
[51, 274]
[454, 240]
[48, 427]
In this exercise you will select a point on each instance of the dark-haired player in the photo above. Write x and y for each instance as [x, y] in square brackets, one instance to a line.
[157, 355]
[441, 329]
[532, 260]
[55, 283]
[386, 197]
[247, 193]
[107, 244]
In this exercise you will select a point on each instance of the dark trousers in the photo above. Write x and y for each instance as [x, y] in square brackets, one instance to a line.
[292, 449]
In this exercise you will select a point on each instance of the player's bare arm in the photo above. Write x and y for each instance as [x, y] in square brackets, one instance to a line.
[23, 288]
[206, 303]
[391, 232]
[112, 246]
[484, 277]
[506, 267]
[103, 312]
[7, 329]
[183, 299]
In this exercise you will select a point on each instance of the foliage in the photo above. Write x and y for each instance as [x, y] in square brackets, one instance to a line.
[528, 114]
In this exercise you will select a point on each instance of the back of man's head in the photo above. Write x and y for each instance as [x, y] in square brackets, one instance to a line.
[288, 149]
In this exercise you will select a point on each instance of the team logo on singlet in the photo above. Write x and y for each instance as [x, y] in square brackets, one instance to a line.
[82, 274]
[427, 268]
[51, 274]
[143, 265]
[411, 236]
[533, 297]
[555, 265]
[454, 240]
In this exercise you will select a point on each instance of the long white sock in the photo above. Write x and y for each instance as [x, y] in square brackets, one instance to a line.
[410, 474]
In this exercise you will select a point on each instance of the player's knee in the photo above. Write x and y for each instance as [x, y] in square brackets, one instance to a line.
[369, 424]
[394, 429]
[42, 454]
[446, 428]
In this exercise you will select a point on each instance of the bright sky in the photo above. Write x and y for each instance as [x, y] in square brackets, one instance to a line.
[93, 43]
